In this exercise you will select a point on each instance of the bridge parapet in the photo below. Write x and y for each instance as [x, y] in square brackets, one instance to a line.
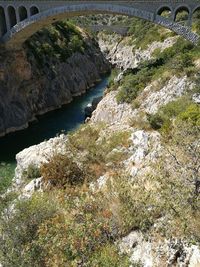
[20, 19]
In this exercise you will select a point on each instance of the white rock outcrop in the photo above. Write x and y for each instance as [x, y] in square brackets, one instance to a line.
[38, 154]
[196, 98]
[122, 54]
[154, 253]
[33, 186]
[140, 145]
[153, 100]
[110, 112]
[145, 149]
[139, 250]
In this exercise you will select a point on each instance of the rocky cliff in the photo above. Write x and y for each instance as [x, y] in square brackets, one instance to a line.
[122, 53]
[142, 151]
[31, 85]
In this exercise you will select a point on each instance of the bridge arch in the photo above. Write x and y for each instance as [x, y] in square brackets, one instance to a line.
[195, 17]
[23, 30]
[197, 9]
[22, 13]
[182, 13]
[3, 27]
[12, 16]
[165, 11]
[34, 10]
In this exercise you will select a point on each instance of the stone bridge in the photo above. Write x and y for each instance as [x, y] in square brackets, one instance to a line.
[21, 19]
[122, 30]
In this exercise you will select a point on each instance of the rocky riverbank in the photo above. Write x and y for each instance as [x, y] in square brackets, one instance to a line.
[32, 85]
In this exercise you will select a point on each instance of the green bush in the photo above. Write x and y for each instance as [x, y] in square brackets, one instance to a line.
[156, 121]
[182, 16]
[32, 172]
[195, 19]
[6, 176]
[58, 41]
[145, 32]
[109, 256]
[18, 231]
[132, 84]
[129, 89]
[62, 228]
[191, 114]
[176, 60]
[166, 114]
[80, 231]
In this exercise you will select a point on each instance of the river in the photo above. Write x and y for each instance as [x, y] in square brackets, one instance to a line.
[68, 118]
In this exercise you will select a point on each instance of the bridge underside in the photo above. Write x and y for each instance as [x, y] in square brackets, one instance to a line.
[19, 33]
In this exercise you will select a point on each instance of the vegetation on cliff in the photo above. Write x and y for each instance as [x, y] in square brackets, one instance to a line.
[68, 224]
[59, 41]
[72, 224]
[6, 176]
[176, 60]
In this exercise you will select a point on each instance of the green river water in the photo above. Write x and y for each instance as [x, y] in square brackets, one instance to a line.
[67, 118]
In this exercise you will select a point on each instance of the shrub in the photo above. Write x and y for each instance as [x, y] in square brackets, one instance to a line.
[19, 229]
[60, 171]
[195, 19]
[144, 32]
[109, 256]
[136, 207]
[61, 228]
[156, 121]
[182, 16]
[75, 231]
[135, 104]
[32, 172]
[97, 151]
[72, 237]
[132, 84]
[58, 41]
[170, 190]
[191, 114]
[6, 176]
[176, 60]
[165, 115]
[76, 44]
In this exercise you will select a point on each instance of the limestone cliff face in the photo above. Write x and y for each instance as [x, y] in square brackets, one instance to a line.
[26, 90]
[122, 53]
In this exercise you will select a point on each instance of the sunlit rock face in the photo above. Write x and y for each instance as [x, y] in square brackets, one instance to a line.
[123, 55]
[38, 154]
[151, 253]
